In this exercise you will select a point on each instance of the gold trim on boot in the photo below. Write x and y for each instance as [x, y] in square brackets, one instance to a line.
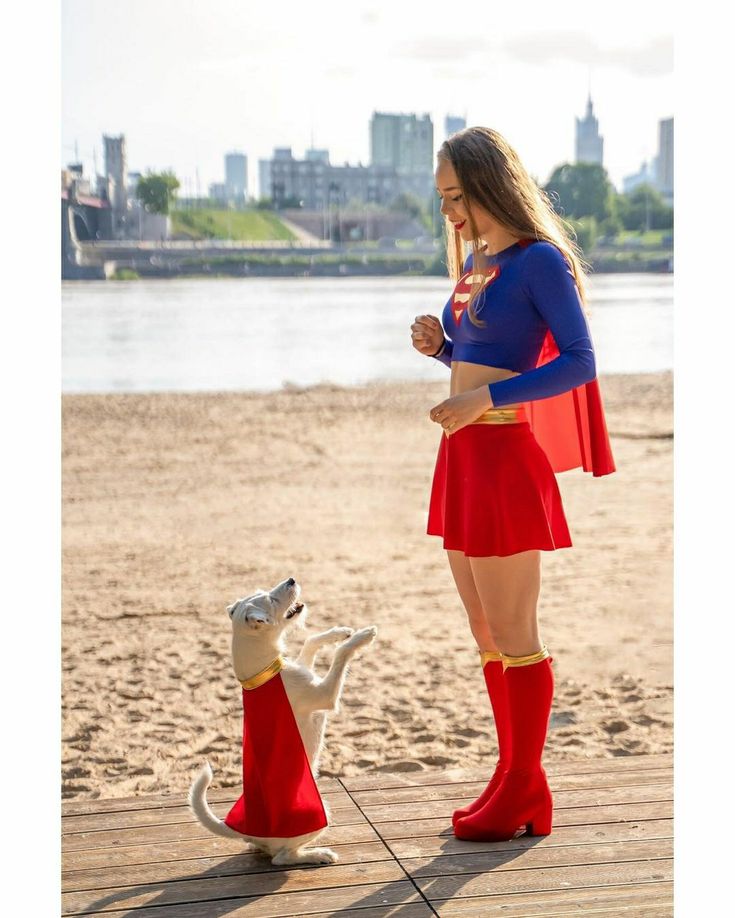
[490, 655]
[528, 660]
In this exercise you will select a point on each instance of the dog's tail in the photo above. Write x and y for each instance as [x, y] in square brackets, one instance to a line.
[200, 807]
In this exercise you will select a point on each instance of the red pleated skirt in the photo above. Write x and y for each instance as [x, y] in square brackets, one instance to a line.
[495, 493]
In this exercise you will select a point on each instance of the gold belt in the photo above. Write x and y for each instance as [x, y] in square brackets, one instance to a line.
[502, 416]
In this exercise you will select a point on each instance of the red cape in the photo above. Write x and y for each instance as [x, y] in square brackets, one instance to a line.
[571, 427]
[280, 798]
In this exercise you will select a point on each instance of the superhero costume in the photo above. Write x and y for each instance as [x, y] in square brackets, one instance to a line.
[534, 324]
[280, 798]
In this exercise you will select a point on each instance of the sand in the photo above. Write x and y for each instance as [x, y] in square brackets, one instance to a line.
[176, 504]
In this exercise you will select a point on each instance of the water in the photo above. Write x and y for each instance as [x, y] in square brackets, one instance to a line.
[261, 333]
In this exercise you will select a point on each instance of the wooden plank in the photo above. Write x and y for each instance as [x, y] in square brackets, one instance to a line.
[433, 845]
[649, 900]
[287, 905]
[651, 793]
[535, 856]
[164, 871]
[82, 807]
[176, 831]
[204, 889]
[223, 909]
[505, 882]
[207, 846]
[342, 813]
[573, 816]
[473, 790]
[611, 765]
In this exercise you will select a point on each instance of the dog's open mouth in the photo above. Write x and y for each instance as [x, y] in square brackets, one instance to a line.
[295, 609]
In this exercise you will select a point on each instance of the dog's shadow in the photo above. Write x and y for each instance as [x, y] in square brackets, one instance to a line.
[218, 890]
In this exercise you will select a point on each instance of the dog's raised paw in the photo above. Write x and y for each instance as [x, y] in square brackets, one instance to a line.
[363, 636]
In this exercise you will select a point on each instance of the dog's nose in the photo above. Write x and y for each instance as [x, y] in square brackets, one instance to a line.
[290, 581]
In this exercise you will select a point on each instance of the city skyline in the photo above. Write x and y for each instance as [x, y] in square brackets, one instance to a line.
[232, 77]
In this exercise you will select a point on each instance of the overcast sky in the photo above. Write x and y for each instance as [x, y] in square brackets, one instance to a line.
[188, 80]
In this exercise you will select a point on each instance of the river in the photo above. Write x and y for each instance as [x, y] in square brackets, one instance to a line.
[194, 334]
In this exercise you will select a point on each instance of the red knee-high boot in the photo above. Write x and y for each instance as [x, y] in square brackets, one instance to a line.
[492, 668]
[523, 797]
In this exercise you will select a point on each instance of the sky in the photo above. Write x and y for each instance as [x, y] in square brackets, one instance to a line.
[187, 81]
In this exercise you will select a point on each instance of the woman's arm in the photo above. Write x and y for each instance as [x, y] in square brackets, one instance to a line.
[553, 290]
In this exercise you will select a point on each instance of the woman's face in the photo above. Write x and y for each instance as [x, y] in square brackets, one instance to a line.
[454, 207]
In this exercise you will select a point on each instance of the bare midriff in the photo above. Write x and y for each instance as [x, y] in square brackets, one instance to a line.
[466, 376]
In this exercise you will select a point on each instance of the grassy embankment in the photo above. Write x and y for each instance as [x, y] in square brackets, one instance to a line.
[241, 225]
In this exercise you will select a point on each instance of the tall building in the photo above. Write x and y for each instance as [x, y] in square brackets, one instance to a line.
[589, 143]
[236, 177]
[453, 124]
[116, 175]
[665, 159]
[405, 143]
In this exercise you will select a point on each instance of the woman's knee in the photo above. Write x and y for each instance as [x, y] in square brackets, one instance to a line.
[516, 637]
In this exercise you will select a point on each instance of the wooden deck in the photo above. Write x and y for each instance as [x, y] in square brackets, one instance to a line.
[610, 853]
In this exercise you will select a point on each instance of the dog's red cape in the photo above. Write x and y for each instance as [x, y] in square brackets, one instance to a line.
[280, 798]
[571, 427]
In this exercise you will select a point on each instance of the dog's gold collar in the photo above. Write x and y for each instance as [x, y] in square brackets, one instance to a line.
[271, 670]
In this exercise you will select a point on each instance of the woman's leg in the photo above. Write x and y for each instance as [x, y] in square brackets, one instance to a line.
[508, 588]
[459, 564]
[492, 669]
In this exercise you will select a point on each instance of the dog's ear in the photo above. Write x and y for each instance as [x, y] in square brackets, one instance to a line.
[257, 618]
[231, 608]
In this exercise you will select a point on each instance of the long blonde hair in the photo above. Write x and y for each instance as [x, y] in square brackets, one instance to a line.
[491, 175]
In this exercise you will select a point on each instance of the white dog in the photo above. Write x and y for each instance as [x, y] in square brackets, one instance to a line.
[259, 623]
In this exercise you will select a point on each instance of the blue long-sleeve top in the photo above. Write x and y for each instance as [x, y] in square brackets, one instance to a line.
[529, 289]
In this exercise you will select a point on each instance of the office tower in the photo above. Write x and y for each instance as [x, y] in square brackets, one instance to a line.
[665, 159]
[405, 143]
[236, 177]
[589, 142]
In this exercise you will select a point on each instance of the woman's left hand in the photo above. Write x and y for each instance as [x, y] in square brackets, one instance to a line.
[460, 410]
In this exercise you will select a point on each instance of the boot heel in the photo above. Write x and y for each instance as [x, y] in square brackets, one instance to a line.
[541, 823]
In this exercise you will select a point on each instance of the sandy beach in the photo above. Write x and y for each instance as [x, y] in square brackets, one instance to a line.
[175, 505]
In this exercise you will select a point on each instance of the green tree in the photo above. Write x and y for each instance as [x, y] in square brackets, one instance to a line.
[644, 208]
[581, 190]
[157, 191]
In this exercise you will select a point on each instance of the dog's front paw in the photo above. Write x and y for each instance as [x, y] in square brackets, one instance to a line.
[362, 637]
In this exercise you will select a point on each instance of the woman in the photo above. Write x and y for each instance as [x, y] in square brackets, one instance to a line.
[524, 402]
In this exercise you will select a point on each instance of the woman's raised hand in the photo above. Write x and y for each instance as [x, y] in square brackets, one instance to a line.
[426, 334]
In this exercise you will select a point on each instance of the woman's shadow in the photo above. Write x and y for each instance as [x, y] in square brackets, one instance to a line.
[223, 886]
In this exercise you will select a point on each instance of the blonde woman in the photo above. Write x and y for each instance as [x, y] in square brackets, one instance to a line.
[524, 403]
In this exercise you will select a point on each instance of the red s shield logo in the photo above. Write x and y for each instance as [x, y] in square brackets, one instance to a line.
[462, 292]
